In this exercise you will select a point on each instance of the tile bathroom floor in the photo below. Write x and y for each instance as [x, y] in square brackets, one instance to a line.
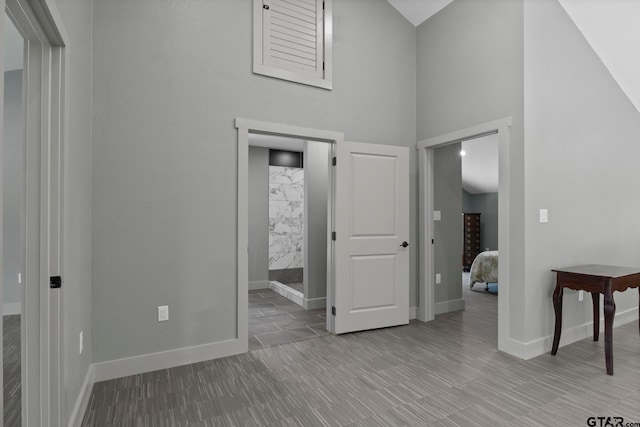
[297, 286]
[274, 320]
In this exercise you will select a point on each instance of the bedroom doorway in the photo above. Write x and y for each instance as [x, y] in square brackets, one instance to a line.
[433, 235]
[480, 196]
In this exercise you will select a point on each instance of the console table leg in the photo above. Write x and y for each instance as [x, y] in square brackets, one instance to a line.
[609, 313]
[595, 296]
[557, 308]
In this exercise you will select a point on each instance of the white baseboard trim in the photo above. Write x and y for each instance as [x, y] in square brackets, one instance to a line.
[11, 308]
[167, 359]
[412, 312]
[261, 284]
[311, 303]
[75, 419]
[287, 292]
[534, 348]
[449, 306]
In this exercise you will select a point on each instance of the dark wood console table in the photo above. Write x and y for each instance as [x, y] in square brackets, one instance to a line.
[596, 279]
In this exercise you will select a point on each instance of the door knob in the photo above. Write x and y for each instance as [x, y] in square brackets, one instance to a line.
[404, 244]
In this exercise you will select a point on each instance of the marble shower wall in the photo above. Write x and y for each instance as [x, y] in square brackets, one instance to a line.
[286, 217]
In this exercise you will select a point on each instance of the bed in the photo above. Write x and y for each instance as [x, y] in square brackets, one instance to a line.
[484, 268]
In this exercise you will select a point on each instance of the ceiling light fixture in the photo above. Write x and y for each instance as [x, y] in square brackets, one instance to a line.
[463, 153]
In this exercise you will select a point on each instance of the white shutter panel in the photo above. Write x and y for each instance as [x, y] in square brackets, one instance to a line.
[292, 40]
[293, 35]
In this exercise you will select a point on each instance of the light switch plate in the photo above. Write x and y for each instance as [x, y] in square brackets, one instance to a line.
[163, 313]
[438, 279]
[437, 215]
[544, 215]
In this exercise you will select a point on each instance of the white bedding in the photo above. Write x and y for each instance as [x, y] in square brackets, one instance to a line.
[484, 268]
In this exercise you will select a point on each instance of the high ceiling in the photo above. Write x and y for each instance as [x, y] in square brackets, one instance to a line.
[418, 11]
[610, 27]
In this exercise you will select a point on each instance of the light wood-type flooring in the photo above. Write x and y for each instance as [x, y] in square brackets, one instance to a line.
[12, 387]
[443, 373]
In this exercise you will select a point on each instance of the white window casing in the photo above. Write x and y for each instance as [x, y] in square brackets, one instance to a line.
[292, 40]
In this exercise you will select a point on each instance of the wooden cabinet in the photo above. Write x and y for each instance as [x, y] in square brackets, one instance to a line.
[471, 248]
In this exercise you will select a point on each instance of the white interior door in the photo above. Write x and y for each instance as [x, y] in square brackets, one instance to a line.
[371, 224]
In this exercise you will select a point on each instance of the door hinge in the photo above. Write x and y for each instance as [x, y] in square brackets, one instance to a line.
[323, 66]
[432, 242]
[55, 282]
[333, 236]
[333, 311]
[322, 5]
[334, 161]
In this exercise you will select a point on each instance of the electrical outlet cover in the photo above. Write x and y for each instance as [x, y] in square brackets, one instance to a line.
[163, 313]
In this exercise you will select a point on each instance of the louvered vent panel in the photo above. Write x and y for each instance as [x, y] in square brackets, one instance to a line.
[293, 36]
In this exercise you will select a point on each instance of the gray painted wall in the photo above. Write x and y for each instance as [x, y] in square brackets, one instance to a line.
[316, 183]
[258, 214]
[467, 203]
[447, 198]
[487, 205]
[502, 58]
[581, 149]
[13, 187]
[77, 233]
[470, 65]
[165, 152]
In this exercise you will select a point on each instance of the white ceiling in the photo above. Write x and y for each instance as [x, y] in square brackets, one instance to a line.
[13, 47]
[611, 28]
[276, 142]
[418, 11]
[480, 165]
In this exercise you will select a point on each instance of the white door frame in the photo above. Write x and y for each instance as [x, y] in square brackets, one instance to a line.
[245, 126]
[426, 149]
[44, 83]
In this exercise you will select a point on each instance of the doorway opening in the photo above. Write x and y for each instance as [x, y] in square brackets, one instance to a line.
[13, 223]
[480, 255]
[497, 135]
[253, 133]
[289, 194]
[42, 108]
[368, 215]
